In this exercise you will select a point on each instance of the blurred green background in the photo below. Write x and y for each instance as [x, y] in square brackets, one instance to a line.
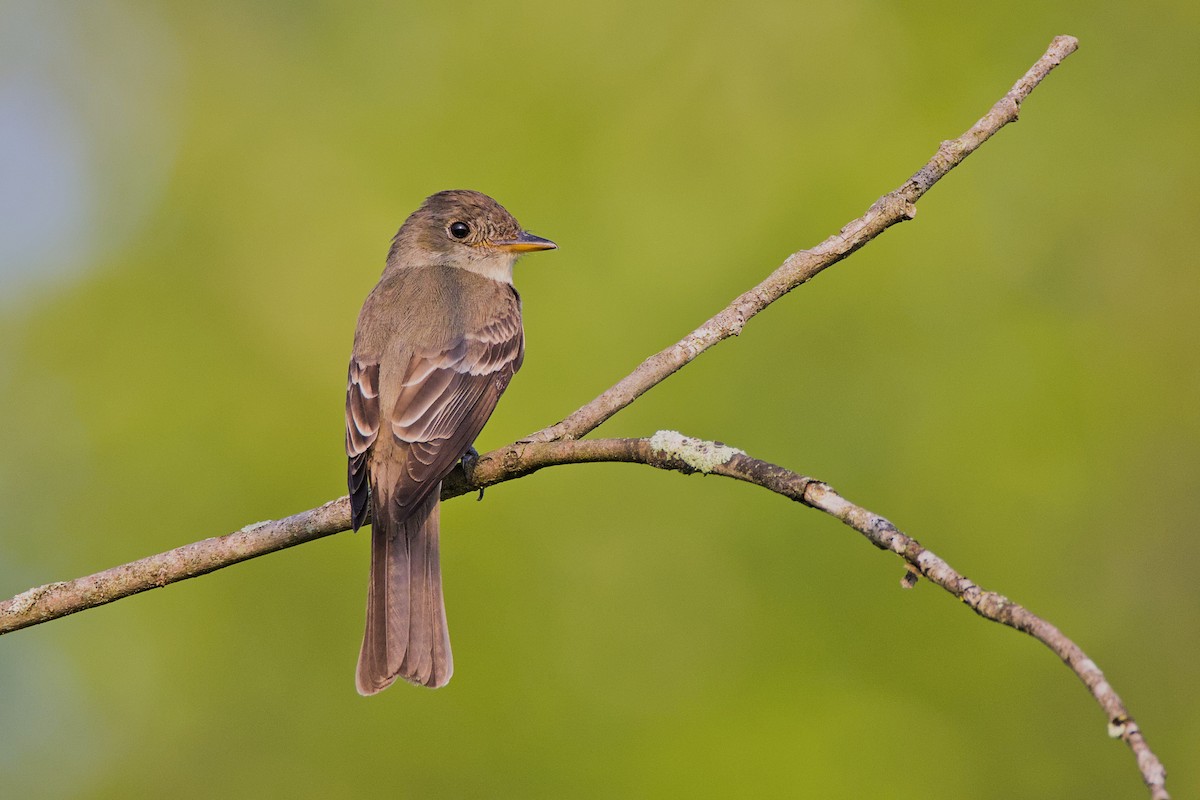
[195, 199]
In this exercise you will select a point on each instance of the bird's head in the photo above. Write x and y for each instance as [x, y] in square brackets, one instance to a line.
[465, 229]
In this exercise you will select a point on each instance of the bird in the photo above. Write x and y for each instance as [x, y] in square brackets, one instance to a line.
[437, 341]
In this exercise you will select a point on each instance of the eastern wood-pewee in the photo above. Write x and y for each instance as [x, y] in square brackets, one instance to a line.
[438, 340]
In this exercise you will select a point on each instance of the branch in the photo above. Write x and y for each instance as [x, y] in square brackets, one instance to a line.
[666, 450]
[804, 265]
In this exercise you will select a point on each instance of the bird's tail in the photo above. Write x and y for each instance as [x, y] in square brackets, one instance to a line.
[406, 632]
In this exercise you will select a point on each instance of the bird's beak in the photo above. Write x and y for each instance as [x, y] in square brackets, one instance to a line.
[526, 243]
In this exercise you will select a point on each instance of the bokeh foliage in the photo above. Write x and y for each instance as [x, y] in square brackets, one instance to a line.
[1014, 378]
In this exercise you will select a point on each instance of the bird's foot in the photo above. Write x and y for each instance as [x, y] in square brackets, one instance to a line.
[469, 460]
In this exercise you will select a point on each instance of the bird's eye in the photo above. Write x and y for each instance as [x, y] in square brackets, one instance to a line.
[459, 230]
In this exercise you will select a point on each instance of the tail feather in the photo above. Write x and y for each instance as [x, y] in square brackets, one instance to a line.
[406, 634]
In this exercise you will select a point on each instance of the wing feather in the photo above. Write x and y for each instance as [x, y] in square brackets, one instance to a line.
[445, 399]
[362, 428]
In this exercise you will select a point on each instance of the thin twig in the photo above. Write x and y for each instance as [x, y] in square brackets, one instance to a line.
[804, 265]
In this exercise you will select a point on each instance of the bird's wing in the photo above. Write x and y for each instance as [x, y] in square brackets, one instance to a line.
[446, 396]
[362, 427]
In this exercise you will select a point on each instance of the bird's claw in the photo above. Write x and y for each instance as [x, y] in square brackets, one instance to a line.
[469, 460]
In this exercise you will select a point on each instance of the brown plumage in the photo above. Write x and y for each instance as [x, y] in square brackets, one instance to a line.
[438, 340]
